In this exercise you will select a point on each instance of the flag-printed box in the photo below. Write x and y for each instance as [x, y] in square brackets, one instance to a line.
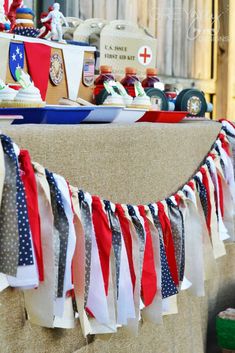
[58, 70]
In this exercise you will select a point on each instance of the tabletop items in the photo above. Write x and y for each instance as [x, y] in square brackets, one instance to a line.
[153, 92]
[61, 68]
[25, 99]
[132, 102]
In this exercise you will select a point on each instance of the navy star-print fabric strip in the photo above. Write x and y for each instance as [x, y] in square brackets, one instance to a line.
[9, 240]
[25, 244]
[220, 159]
[202, 195]
[116, 239]
[167, 284]
[177, 226]
[62, 225]
[140, 233]
[86, 220]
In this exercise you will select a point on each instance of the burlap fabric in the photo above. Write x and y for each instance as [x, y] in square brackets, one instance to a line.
[134, 164]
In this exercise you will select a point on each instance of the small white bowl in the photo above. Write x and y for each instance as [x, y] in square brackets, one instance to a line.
[8, 119]
[129, 115]
[103, 114]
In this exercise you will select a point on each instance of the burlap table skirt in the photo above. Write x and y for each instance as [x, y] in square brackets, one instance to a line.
[132, 164]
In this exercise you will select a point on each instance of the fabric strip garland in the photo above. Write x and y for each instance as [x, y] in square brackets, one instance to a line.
[77, 256]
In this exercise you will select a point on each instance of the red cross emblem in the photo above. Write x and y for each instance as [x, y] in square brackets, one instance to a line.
[145, 55]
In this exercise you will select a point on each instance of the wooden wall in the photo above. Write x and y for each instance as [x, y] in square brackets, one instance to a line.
[183, 29]
[230, 53]
[193, 46]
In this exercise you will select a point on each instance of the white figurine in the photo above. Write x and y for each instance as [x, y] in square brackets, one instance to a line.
[56, 18]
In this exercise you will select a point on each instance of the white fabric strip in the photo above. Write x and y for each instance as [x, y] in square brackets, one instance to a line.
[194, 263]
[186, 284]
[111, 326]
[134, 323]
[228, 192]
[229, 127]
[3, 282]
[210, 266]
[67, 319]
[170, 306]
[140, 218]
[39, 302]
[79, 265]
[27, 276]
[222, 229]
[229, 173]
[96, 301]
[125, 301]
[217, 243]
[228, 211]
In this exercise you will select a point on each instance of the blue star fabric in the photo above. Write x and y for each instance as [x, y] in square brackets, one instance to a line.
[177, 226]
[202, 195]
[86, 219]
[27, 31]
[9, 240]
[25, 245]
[116, 239]
[167, 284]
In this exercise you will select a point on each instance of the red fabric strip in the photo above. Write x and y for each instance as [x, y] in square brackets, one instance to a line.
[70, 194]
[38, 60]
[30, 185]
[124, 223]
[221, 195]
[71, 204]
[168, 242]
[228, 121]
[103, 235]
[89, 312]
[205, 182]
[231, 123]
[177, 199]
[191, 185]
[225, 144]
[149, 276]
[212, 155]
[6, 6]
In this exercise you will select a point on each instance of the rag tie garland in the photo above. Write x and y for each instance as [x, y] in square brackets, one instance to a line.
[111, 262]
